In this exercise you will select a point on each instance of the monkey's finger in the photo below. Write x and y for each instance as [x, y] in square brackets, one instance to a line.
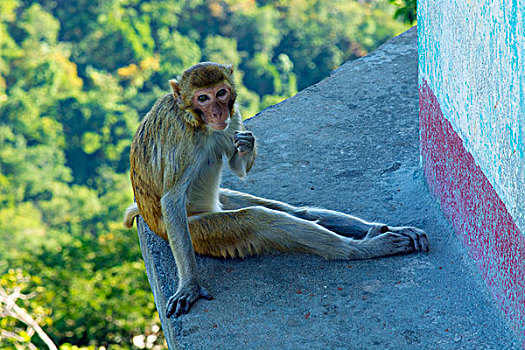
[170, 307]
[425, 246]
[244, 146]
[422, 239]
[203, 293]
[415, 239]
[244, 136]
[245, 132]
[180, 305]
[245, 139]
[169, 311]
[403, 244]
[186, 306]
[418, 237]
[245, 143]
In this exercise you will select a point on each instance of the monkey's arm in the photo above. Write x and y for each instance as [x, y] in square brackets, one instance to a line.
[189, 289]
[244, 155]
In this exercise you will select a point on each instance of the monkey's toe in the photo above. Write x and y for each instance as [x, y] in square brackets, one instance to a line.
[403, 243]
[418, 237]
[181, 301]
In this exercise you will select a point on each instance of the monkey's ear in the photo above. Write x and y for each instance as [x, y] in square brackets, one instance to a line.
[175, 87]
[229, 69]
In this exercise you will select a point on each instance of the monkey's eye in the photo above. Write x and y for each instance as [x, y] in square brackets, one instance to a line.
[221, 92]
[202, 98]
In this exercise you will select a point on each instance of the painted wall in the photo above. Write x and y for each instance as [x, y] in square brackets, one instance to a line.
[472, 54]
[472, 117]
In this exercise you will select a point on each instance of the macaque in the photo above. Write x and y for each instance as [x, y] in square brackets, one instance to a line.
[176, 160]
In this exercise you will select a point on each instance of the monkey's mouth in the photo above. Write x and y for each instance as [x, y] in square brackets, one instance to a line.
[220, 126]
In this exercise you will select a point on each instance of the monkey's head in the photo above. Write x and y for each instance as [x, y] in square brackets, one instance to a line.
[207, 92]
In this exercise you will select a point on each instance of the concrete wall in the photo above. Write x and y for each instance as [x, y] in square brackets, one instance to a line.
[472, 119]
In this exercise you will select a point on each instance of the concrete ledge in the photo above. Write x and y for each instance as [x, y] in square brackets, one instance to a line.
[349, 143]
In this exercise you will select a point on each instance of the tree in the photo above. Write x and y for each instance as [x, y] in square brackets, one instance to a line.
[407, 10]
[76, 77]
[13, 316]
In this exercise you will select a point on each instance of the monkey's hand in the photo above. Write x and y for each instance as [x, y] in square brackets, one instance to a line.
[186, 295]
[244, 142]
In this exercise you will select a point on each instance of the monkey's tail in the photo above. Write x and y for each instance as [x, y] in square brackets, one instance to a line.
[130, 215]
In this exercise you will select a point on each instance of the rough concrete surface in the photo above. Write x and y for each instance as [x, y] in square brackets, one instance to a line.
[349, 143]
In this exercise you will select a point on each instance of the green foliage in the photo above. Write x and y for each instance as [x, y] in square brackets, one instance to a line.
[407, 10]
[75, 79]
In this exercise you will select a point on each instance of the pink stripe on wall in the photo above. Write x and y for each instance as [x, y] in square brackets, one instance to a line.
[472, 206]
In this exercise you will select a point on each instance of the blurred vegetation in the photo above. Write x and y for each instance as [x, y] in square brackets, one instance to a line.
[406, 10]
[75, 78]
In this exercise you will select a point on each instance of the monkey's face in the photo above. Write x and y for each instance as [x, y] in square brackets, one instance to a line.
[213, 104]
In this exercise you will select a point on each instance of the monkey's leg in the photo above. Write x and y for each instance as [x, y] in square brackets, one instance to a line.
[343, 224]
[253, 230]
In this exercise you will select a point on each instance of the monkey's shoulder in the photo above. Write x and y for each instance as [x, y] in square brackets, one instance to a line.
[165, 111]
[165, 122]
[165, 104]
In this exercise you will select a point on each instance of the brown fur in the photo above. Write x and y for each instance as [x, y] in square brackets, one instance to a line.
[169, 140]
[176, 160]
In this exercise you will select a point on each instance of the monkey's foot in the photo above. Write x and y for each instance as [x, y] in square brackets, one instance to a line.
[382, 240]
[418, 236]
[185, 296]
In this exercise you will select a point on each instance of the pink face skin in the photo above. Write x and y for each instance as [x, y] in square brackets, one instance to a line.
[213, 103]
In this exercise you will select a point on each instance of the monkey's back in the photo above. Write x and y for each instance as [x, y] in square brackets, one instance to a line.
[158, 157]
